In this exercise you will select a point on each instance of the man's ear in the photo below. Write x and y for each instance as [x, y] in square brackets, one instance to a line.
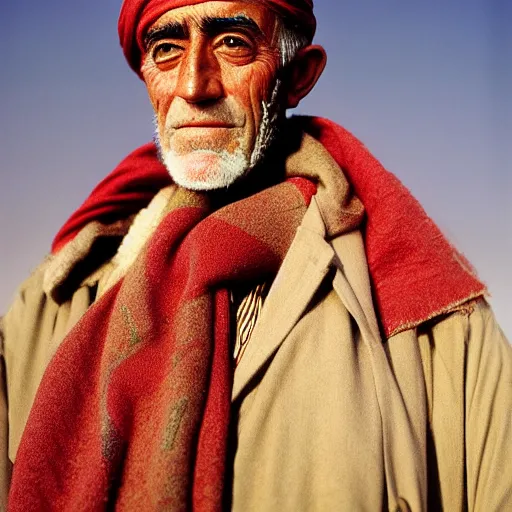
[303, 73]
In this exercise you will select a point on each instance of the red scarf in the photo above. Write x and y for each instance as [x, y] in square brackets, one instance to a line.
[416, 273]
[134, 407]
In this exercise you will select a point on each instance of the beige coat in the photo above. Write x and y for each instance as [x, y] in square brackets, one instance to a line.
[326, 415]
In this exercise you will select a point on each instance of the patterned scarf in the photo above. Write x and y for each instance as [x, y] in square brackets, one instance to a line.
[134, 407]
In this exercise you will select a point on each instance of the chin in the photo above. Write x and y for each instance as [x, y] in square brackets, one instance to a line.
[204, 169]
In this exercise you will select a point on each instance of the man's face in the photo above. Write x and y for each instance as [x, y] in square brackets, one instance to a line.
[209, 68]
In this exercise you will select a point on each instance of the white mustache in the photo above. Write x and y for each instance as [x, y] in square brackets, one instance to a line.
[224, 111]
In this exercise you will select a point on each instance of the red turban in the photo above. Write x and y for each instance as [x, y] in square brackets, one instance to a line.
[138, 15]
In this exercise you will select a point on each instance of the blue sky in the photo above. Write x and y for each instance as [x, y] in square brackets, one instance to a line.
[426, 86]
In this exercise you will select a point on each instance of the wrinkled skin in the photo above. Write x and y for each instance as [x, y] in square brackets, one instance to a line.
[207, 89]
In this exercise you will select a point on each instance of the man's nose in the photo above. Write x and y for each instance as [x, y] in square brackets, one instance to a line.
[199, 77]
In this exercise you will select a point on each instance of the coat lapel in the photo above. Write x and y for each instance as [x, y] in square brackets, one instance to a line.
[302, 271]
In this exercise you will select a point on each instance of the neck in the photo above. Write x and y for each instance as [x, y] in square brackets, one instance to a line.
[269, 171]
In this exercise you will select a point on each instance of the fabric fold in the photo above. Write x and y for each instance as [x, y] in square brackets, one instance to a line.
[134, 407]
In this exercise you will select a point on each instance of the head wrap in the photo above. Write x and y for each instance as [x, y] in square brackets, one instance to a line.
[138, 15]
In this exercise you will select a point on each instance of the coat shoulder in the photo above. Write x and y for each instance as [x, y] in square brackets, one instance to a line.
[26, 292]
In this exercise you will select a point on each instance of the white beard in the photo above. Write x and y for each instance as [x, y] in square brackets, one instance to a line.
[222, 169]
[210, 169]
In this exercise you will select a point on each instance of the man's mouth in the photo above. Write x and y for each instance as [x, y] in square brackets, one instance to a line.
[203, 124]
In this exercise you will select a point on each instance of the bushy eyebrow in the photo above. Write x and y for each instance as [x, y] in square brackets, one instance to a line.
[209, 26]
[172, 30]
[213, 26]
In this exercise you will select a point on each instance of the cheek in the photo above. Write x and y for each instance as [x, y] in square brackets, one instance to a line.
[251, 85]
[255, 82]
[160, 90]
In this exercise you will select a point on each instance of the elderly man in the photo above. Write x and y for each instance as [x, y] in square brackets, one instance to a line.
[252, 313]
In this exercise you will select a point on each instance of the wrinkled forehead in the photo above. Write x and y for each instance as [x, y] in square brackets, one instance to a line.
[250, 15]
[137, 16]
